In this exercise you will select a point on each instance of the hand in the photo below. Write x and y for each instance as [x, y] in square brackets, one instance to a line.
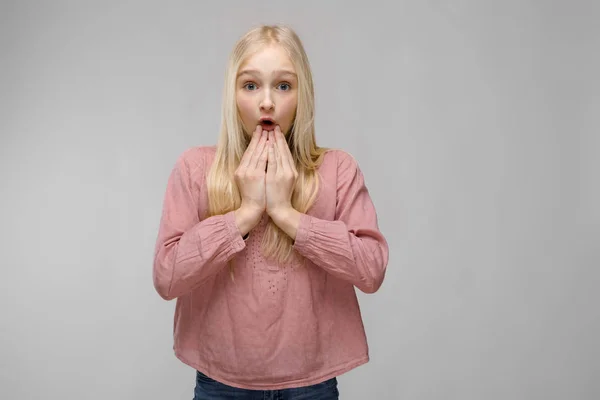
[250, 179]
[281, 175]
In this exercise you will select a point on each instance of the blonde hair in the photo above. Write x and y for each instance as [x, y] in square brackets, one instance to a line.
[223, 194]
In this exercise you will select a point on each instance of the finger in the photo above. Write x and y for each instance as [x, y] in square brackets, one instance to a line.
[246, 158]
[264, 154]
[282, 163]
[273, 142]
[277, 153]
[272, 162]
[288, 152]
[258, 151]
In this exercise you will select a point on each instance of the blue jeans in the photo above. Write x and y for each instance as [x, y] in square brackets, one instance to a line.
[209, 389]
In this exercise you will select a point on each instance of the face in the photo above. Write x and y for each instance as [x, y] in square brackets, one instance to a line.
[267, 90]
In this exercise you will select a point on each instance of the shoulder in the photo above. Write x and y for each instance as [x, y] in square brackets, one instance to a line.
[195, 159]
[342, 161]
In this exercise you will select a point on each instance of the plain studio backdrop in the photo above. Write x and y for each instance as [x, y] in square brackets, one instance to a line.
[476, 124]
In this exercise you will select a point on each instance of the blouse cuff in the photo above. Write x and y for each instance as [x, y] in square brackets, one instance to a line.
[237, 243]
[302, 232]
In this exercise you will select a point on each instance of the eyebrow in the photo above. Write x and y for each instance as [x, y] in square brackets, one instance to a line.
[256, 72]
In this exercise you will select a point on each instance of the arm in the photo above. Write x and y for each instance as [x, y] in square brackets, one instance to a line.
[188, 251]
[351, 247]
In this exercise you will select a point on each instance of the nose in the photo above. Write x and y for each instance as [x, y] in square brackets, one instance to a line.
[266, 103]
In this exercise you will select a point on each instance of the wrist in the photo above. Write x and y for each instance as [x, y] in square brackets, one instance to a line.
[281, 213]
[288, 219]
[246, 218]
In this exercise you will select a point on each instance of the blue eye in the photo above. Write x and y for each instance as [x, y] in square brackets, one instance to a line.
[285, 84]
[249, 84]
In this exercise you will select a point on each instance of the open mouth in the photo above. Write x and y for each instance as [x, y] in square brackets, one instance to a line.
[267, 124]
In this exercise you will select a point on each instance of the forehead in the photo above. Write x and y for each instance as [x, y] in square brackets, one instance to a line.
[268, 60]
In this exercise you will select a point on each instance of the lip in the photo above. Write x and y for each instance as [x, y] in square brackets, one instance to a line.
[267, 126]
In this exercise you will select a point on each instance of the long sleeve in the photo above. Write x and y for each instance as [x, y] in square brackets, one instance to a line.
[351, 247]
[188, 251]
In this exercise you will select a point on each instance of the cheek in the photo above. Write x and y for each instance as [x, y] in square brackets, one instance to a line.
[290, 110]
[244, 107]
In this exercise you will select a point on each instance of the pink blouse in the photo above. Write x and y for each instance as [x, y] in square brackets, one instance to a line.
[271, 328]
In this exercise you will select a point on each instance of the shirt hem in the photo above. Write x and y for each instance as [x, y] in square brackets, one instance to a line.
[334, 372]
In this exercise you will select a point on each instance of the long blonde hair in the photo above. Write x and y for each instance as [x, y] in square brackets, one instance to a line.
[223, 193]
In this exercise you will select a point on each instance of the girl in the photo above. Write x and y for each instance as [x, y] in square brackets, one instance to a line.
[264, 236]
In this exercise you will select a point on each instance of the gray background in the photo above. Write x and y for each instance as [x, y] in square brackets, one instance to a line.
[476, 124]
